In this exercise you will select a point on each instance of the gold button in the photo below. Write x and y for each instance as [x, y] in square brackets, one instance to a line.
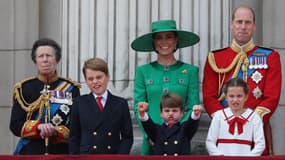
[175, 154]
[109, 133]
[175, 142]
[165, 143]
[94, 133]
[164, 154]
[94, 147]
[109, 147]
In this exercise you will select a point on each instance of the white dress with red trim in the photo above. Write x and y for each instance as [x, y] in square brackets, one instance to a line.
[230, 135]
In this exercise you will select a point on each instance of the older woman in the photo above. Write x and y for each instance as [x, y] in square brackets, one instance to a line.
[42, 104]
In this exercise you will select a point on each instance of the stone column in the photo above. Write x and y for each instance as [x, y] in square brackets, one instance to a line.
[18, 30]
[274, 37]
[270, 18]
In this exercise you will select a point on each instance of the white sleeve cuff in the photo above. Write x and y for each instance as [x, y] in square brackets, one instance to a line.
[195, 117]
[145, 118]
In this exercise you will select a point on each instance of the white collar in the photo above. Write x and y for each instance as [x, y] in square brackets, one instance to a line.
[104, 95]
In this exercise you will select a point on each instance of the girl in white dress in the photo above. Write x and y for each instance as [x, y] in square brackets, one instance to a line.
[236, 130]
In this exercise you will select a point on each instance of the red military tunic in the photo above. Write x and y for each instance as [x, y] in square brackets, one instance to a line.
[264, 82]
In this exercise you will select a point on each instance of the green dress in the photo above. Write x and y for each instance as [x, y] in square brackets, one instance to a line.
[153, 80]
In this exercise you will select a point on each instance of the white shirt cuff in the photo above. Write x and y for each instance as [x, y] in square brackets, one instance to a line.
[145, 118]
[195, 117]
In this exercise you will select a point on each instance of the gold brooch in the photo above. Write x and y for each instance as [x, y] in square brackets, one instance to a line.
[184, 71]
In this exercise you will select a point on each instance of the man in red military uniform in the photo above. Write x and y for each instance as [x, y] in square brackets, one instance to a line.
[260, 67]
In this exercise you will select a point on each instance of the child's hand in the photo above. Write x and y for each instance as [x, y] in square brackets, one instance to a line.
[197, 109]
[142, 108]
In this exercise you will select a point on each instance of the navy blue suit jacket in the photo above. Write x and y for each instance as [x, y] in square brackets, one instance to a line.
[171, 141]
[96, 132]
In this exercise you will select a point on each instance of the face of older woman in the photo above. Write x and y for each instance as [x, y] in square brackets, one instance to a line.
[46, 60]
[165, 42]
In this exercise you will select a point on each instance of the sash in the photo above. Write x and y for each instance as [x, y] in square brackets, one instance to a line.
[59, 94]
[257, 58]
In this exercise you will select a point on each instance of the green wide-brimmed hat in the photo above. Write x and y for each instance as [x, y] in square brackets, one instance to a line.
[144, 43]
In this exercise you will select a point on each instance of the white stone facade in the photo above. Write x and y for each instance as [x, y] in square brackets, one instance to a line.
[105, 29]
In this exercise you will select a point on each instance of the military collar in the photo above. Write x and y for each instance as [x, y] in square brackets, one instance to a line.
[43, 78]
[245, 48]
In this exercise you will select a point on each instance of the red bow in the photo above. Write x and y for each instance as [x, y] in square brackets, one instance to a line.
[240, 122]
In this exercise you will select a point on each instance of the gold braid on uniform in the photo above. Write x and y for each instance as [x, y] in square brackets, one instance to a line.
[240, 60]
[76, 84]
[30, 107]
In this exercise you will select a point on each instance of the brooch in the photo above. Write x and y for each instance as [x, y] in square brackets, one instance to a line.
[184, 71]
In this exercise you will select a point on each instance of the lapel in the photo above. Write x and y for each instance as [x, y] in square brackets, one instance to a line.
[167, 132]
[96, 115]
[109, 106]
[102, 118]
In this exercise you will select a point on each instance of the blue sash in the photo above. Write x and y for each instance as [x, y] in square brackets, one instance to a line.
[53, 109]
[265, 52]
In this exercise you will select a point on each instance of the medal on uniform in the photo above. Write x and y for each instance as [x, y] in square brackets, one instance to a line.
[64, 108]
[265, 65]
[256, 77]
[250, 63]
[56, 120]
[61, 97]
[259, 61]
[257, 93]
[255, 66]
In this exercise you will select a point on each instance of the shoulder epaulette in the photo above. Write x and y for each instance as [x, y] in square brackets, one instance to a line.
[72, 82]
[19, 84]
[217, 50]
[266, 48]
[17, 95]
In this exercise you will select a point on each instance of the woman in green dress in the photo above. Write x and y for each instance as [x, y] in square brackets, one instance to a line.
[166, 74]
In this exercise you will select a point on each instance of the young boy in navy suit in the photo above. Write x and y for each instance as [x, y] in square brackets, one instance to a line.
[100, 121]
[172, 137]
